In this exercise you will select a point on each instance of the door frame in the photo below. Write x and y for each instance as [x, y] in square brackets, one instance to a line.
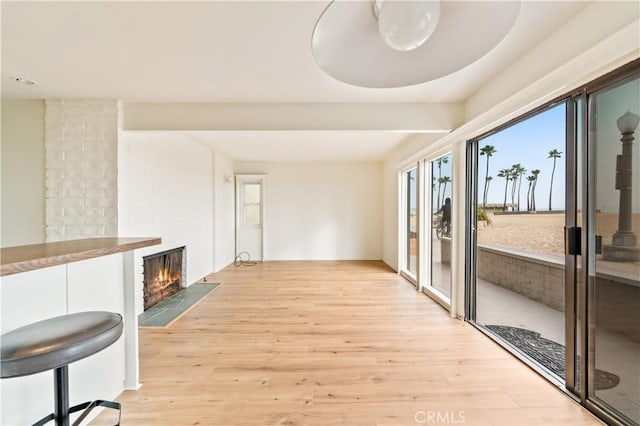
[426, 258]
[403, 223]
[239, 180]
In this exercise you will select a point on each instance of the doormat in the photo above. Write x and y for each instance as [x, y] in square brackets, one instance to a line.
[165, 312]
[547, 353]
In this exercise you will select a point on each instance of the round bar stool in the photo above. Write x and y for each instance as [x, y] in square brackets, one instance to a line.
[53, 344]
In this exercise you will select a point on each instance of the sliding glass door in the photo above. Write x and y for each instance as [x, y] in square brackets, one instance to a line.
[426, 226]
[613, 286]
[440, 202]
[409, 224]
[520, 218]
[554, 252]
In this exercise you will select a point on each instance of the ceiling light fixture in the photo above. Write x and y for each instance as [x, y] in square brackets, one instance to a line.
[403, 43]
[25, 81]
[406, 25]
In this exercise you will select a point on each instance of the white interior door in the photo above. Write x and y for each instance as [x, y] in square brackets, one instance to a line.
[250, 217]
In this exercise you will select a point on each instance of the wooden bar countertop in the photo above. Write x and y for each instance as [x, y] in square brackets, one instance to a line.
[36, 256]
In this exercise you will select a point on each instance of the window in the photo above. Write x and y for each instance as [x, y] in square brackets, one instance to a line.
[252, 203]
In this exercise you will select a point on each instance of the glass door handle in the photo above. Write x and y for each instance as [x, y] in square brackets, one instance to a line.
[598, 244]
[572, 240]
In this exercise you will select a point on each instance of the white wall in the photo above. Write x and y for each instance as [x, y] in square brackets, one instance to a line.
[223, 217]
[165, 189]
[321, 211]
[23, 217]
[81, 144]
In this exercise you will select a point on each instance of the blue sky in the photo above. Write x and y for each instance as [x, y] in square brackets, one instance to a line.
[445, 170]
[528, 143]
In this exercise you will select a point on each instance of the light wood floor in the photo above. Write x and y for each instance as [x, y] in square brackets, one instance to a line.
[305, 343]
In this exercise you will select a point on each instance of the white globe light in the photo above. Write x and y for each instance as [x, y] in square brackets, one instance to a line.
[628, 122]
[406, 25]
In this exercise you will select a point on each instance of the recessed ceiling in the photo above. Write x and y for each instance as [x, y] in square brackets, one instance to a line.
[349, 44]
[212, 51]
[224, 52]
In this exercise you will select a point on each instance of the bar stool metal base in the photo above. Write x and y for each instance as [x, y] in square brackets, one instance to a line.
[62, 409]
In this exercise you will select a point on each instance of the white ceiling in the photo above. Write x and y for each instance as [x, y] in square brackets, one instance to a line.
[222, 52]
[306, 146]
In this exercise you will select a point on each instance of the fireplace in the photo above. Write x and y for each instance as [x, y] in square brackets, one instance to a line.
[163, 274]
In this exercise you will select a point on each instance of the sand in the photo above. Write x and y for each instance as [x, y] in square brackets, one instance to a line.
[542, 232]
[537, 233]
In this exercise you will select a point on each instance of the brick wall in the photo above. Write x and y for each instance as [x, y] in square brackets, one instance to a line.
[165, 189]
[539, 278]
[81, 169]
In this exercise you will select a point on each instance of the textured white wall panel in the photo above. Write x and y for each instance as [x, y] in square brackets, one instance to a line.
[81, 150]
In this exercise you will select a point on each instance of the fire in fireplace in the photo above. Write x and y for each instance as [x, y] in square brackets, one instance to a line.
[162, 276]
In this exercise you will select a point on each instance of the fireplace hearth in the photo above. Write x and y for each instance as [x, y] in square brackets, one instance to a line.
[163, 274]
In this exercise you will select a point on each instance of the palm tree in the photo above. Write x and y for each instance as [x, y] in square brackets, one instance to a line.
[487, 181]
[514, 186]
[487, 150]
[534, 173]
[555, 154]
[445, 180]
[514, 177]
[506, 174]
[531, 179]
[518, 171]
[439, 162]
